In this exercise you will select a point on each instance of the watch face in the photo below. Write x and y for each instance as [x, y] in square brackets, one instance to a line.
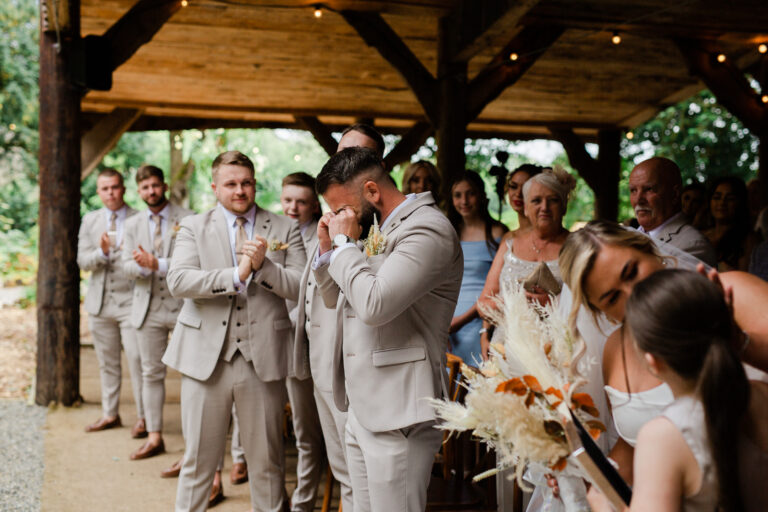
[339, 240]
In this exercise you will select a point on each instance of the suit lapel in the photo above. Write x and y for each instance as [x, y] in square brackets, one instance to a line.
[218, 231]
[262, 224]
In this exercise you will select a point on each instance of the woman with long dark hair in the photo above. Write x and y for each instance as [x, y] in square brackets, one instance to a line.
[726, 223]
[709, 448]
[479, 235]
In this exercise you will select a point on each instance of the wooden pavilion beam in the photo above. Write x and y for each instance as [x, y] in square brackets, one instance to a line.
[409, 143]
[58, 277]
[378, 34]
[105, 53]
[502, 72]
[602, 174]
[103, 136]
[492, 20]
[322, 134]
[732, 89]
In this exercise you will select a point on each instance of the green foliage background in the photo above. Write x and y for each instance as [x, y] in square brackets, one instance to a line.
[697, 133]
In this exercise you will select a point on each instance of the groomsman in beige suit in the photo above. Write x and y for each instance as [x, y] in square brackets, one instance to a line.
[300, 203]
[234, 266]
[394, 308]
[149, 240]
[108, 300]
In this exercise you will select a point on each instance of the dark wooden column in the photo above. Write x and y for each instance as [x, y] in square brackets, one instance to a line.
[58, 276]
[601, 174]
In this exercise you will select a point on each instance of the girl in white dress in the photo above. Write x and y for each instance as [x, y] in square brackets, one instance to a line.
[709, 448]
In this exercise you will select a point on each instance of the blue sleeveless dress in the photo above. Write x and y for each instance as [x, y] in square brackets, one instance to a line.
[465, 342]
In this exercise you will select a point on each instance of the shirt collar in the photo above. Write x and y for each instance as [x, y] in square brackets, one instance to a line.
[121, 212]
[654, 233]
[250, 215]
[162, 213]
[408, 198]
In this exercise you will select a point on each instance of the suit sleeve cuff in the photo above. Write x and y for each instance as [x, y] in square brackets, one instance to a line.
[241, 286]
[321, 260]
[340, 248]
[162, 267]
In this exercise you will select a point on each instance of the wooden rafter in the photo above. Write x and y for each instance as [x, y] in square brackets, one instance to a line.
[410, 142]
[502, 72]
[378, 34]
[492, 20]
[727, 83]
[103, 136]
[322, 134]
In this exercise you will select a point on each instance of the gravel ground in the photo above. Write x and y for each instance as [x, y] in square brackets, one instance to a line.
[21, 455]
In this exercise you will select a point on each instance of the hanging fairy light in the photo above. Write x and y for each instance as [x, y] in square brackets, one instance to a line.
[630, 135]
[616, 39]
[765, 98]
[762, 48]
[513, 56]
[318, 12]
[720, 58]
[184, 3]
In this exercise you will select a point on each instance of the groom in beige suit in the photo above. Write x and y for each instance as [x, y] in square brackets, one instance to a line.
[149, 241]
[108, 300]
[394, 309]
[234, 266]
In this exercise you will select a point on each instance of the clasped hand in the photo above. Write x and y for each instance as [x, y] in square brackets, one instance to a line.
[254, 252]
[343, 222]
[145, 259]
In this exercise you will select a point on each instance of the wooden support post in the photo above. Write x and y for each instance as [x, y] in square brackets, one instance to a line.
[103, 136]
[410, 142]
[320, 132]
[601, 174]
[58, 276]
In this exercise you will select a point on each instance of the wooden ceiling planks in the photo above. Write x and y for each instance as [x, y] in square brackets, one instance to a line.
[265, 61]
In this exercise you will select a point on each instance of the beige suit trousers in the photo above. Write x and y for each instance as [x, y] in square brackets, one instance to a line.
[334, 423]
[110, 329]
[152, 340]
[390, 470]
[309, 443]
[205, 417]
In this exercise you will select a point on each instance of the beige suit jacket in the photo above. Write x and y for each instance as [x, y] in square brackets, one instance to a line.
[679, 233]
[202, 271]
[313, 350]
[393, 318]
[90, 257]
[139, 232]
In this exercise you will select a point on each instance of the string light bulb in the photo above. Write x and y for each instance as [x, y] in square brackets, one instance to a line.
[762, 48]
[513, 56]
[765, 98]
[630, 135]
[184, 3]
[616, 39]
[720, 58]
[318, 12]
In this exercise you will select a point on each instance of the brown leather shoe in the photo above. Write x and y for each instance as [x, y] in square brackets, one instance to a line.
[139, 430]
[239, 473]
[148, 450]
[104, 424]
[173, 471]
[217, 495]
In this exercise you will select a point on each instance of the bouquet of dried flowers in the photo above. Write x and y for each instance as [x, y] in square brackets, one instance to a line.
[514, 401]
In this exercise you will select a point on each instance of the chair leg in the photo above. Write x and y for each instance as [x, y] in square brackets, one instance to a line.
[328, 494]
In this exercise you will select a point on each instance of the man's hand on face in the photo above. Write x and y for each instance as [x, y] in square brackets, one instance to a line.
[323, 236]
[145, 259]
[345, 223]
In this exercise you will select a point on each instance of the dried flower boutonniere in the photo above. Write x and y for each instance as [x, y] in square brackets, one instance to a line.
[176, 228]
[376, 241]
[277, 245]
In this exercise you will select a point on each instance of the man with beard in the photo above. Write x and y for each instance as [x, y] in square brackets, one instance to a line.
[149, 241]
[655, 187]
[234, 266]
[394, 306]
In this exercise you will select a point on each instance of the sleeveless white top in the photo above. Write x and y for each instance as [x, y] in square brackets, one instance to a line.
[515, 270]
[632, 411]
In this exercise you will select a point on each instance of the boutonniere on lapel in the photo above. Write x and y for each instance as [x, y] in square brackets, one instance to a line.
[277, 245]
[175, 230]
[376, 241]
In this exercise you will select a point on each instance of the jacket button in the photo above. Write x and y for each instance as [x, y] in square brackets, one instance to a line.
[239, 308]
[224, 322]
[238, 324]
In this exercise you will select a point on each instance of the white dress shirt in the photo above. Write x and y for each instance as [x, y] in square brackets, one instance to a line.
[162, 263]
[122, 214]
[250, 219]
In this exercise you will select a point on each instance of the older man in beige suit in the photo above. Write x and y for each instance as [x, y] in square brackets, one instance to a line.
[108, 300]
[394, 305]
[149, 241]
[234, 266]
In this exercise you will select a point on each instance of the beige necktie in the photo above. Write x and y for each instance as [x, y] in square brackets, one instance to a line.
[157, 241]
[113, 222]
[240, 236]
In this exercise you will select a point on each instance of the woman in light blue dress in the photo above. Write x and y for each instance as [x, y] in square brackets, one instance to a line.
[479, 235]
